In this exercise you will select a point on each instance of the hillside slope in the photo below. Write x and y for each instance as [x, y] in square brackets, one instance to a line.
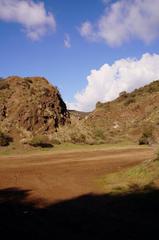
[132, 116]
[30, 106]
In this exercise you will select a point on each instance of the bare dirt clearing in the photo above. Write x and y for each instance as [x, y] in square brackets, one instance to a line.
[60, 176]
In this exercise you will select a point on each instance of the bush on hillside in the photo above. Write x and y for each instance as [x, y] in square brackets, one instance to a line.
[4, 139]
[147, 136]
[78, 138]
[129, 101]
[99, 134]
[99, 104]
[40, 141]
[157, 155]
[144, 140]
[123, 94]
[55, 141]
[3, 85]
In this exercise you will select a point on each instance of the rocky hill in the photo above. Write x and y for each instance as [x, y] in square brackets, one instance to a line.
[30, 106]
[132, 116]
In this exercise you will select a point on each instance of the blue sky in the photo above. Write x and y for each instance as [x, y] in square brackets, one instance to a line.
[68, 67]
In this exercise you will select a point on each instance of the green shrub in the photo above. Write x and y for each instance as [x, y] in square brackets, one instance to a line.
[129, 101]
[4, 139]
[157, 155]
[99, 134]
[146, 137]
[154, 87]
[40, 141]
[78, 138]
[144, 140]
[3, 85]
[99, 104]
[123, 94]
[55, 142]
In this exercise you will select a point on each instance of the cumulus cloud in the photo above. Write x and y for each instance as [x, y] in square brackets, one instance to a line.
[106, 83]
[67, 41]
[33, 17]
[125, 20]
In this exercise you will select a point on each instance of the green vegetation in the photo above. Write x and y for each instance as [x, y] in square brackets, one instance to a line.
[123, 94]
[40, 141]
[76, 132]
[80, 138]
[129, 100]
[4, 139]
[144, 139]
[157, 155]
[147, 136]
[134, 178]
[17, 148]
[98, 135]
[3, 85]
[99, 104]
[55, 142]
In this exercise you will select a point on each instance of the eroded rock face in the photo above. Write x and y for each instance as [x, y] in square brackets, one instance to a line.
[31, 105]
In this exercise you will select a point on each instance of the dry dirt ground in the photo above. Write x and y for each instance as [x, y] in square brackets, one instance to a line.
[60, 176]
[56, 196]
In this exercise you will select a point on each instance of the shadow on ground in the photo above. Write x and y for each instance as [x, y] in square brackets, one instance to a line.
[134, 215]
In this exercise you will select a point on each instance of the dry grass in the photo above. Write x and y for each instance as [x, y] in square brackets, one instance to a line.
[77, 133]
[16, 148]
[137, 177]
[128, 116]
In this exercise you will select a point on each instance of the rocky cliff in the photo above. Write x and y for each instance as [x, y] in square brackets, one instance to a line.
[30, 106]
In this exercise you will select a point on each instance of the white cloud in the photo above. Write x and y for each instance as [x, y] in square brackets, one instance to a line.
[125, 20]
[106, 83]
[67, 41]
[86, 30]
[33, 17]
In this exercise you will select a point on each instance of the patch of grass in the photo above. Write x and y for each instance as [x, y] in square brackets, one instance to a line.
[5, 153]
[134, 178]
[70, 147]
[20, 149]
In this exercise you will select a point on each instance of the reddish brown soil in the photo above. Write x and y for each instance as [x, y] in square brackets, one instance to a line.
[65, 175]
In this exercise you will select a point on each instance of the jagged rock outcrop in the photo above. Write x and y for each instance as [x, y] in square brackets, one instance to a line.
[30, 106]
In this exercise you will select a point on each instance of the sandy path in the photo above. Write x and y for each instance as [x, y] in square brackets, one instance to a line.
[60, 176]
